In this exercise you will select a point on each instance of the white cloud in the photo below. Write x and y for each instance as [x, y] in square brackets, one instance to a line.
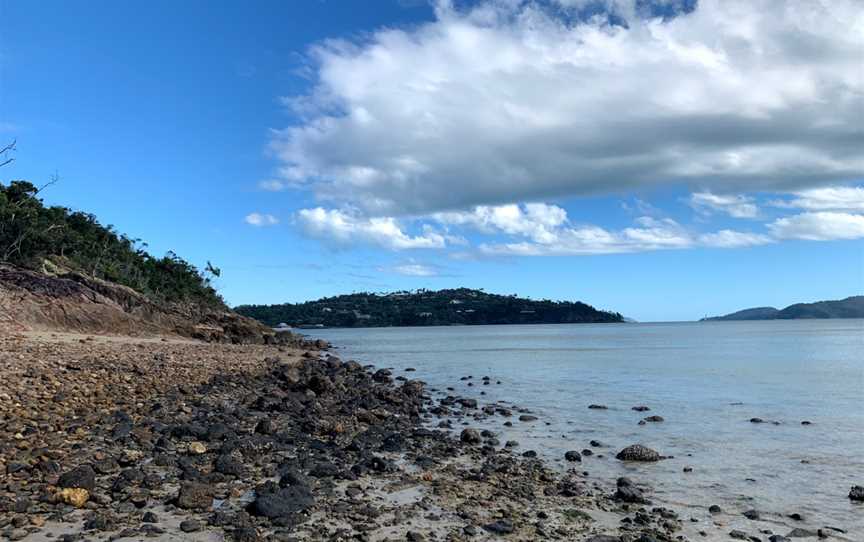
[819, 226]
[832, 198]
[506, 102]
[415, 270]
[737, 206]
[535, 220]
[343, 229]
[546, 230]
[259, 219]
[733, 239]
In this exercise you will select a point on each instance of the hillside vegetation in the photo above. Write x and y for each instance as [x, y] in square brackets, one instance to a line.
[851, 307]
[42, 238]
[61, 270]
[425, 308]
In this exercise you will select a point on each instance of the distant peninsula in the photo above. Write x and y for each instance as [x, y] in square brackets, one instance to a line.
[461, 306]
[851, 307]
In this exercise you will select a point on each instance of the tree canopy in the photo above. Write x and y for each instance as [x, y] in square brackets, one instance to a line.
[32, 235]
[426, 308]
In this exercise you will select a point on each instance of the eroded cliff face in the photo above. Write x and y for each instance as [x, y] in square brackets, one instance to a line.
[73, 302]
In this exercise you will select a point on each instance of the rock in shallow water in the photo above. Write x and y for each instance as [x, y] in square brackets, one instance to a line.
[637, 452]
[856, 493]
[572, 455]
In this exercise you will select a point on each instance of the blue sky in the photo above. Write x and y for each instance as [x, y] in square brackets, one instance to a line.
[660, 168]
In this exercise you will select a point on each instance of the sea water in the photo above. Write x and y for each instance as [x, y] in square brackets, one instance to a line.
[706, 379]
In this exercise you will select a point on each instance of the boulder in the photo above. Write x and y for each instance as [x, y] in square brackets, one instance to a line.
[283, 502]
[637, 452]
[470, 436]
[572, 455]
[194, 496]
[83, 477]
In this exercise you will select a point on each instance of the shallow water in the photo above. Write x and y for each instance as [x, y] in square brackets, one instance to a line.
[706, 379]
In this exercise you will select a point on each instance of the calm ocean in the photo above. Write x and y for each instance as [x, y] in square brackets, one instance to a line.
[706, 379]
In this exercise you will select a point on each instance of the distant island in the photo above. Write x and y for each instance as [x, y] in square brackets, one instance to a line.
[851, 307]
[461, 306]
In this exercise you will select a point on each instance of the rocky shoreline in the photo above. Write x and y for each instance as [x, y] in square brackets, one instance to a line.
[105, 439]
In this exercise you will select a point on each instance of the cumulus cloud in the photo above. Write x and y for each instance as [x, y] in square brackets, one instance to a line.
[737, 206]
[535, 220]
[506, 101]
[651, 234]
[819, 226]
[833, 198]
[261, 219]
[547, 230]
[733, 239]
[343, 229]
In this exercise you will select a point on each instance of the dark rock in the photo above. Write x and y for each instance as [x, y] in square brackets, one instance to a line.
[856, 493]
[265, 427]
[150, 517]
[778, 538]
[603, 538]
[637, 452]
[714, 509]
[194, 496]
[798, 532]
[640, 408]
[796, 516]
[738, 535]
[572, 455]
[751, 514]
[290, 476]
[470, 436]
[654, 419]
[598, 407]
[99, 522]
[225, 464]
[468, 403]
[284, 502]
[527, 418]
[83, 477]
[245, 534]
[190, 526]
[630, 494]
[414, 536]
[624, 481]
[502, 526]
